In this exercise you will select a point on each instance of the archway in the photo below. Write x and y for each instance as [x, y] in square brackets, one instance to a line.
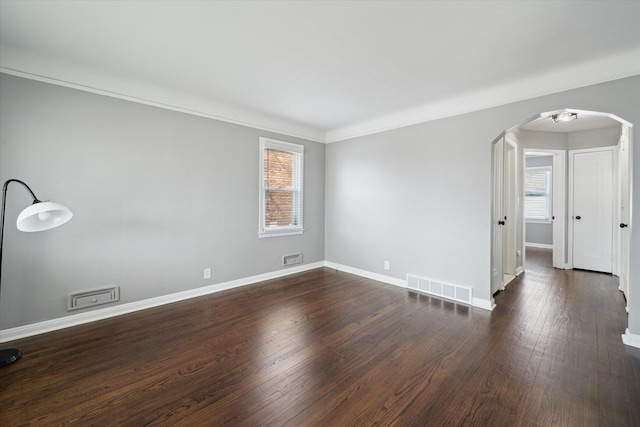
[502, 203]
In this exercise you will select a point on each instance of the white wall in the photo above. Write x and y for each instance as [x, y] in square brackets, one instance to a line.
[157, 196]
[421, 196]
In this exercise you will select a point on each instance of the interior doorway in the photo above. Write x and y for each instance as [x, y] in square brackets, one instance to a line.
[592, 129]
[546, 228]
[592, 208]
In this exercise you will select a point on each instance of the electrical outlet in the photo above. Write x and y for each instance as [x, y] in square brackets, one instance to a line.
[207, 273]
[386, 265]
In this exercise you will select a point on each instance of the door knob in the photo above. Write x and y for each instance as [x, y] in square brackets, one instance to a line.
[578, 217]
[622, 225]
[500, 222]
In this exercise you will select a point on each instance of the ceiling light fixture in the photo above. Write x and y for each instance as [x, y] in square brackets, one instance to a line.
[564, 117]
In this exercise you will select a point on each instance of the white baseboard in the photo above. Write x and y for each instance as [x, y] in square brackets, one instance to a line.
[519, 271]
[476, 302]
[538, 245]
[367, 274]
[632, 340]
[105, 313]
[484, 303]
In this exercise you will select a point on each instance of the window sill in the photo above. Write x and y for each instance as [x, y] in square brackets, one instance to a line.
[537, 221]
[266, 234]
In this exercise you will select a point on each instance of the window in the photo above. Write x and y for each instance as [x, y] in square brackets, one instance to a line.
[537, 193]
[281, 183]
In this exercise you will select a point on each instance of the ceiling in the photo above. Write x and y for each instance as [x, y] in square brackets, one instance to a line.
[582, 123]
[322, 70]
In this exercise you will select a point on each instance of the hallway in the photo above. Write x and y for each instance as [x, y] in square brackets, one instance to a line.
[570, 322]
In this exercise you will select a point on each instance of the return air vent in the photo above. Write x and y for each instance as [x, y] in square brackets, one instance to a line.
[457, 293]
[93, 297]
[291, 259]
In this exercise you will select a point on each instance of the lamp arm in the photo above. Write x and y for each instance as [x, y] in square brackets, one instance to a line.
[4, 202]
[6, 184]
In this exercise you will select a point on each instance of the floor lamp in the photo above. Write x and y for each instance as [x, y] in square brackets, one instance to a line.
[39, 216]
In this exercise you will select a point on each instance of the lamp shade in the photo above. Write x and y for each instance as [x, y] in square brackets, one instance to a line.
[43, 216]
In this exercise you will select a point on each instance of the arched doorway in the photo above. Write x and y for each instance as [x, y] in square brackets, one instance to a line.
[508, 213]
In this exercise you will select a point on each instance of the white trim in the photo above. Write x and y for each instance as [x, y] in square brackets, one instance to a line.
[519, 270]
[367, 274]
[252, 120]
[538, 245]
[477, 302]
[298, 151]
[616, 66]
[632, 340]
[109, 312]
[484, 303]
[266, 234]
[538, 221]
[559, 203]
[599, 70]
[105, 313]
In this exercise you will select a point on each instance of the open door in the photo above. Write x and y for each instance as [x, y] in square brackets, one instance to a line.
[510, 209]
[497, 223]
[504, 213]
[624, 209]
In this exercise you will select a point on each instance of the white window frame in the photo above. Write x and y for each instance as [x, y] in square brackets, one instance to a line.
[297, 149]
[549, 195]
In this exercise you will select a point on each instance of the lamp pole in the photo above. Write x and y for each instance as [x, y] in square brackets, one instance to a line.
[4, 203]
[38, 216]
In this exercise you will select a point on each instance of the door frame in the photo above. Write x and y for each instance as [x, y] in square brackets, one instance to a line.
[511, 200]
[615, 199]
[497, 231]
[625, 195]
[559, 197]
[548, 114]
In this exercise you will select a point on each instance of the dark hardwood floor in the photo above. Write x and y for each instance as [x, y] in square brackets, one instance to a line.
[325, 348]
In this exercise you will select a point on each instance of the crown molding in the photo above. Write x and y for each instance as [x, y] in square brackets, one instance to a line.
[196, 107]
[612, 67]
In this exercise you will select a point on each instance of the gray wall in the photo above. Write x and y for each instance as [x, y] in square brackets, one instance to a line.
[594, 138]
[543, 140]
[420, 196]
[157, 196]
[539, 233]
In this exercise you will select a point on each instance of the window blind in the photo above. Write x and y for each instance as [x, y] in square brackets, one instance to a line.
[282, 184]
[537, 193]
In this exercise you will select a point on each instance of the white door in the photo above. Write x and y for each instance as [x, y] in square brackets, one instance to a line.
[504, 214]
[509, 211]
[497, 228]
[624, 173]
[592, 213]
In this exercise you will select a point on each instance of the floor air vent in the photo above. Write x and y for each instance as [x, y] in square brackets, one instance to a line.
[86, 299]
[291, 259]
[443, 290]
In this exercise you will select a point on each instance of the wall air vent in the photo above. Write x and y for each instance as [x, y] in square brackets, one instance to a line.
[93, 297]
[291, 259]
[457, 293]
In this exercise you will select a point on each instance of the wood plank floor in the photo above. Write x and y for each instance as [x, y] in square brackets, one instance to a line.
[325, 348]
